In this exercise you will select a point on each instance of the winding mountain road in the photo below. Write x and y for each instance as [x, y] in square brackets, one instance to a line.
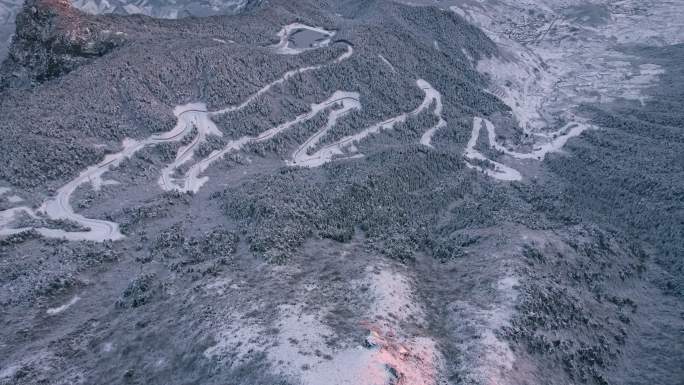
[284, 45]
[193, 115]
[191, 180]
[500, 171]
[346, 148]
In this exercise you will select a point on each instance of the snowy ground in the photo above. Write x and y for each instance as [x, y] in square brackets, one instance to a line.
[310, 38]
[303, 348]
[558, 54]
[195, 119]
[166, 9]
[8, 12]
[190, 116]
[346, 147]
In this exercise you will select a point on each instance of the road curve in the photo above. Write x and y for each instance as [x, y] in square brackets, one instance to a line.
[192, 181]
[501, 171]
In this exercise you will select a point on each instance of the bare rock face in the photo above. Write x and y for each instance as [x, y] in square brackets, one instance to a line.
[52, 38]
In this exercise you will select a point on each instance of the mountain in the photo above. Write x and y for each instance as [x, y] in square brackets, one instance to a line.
[348, 192]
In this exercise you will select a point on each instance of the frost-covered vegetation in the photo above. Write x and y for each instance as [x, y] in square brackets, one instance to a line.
[553, 278]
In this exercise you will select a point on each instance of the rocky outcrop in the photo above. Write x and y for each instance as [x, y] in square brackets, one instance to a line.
[52, 38]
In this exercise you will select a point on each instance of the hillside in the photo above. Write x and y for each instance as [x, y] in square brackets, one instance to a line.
[349, 192]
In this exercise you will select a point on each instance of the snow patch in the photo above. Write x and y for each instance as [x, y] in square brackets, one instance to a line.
[188, 116]
[60, 309]
[501, 171]
[345, 148]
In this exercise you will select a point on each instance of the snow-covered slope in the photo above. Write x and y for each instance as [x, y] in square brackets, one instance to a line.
[556, 55]
[166, 9]
[8, 11]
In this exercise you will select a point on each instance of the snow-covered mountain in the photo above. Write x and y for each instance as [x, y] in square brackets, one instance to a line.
[166, 9]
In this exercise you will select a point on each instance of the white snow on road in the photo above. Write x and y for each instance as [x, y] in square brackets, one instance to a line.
[499, 170]
[193, 115]
[430, 92]
[346, 147]
[60, 309]
[288, 75]
[555, 55]
[307, 350]
[59, 207]
[387, 63]
[347, 104]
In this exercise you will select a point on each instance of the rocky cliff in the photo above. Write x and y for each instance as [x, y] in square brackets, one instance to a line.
[52, 39]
